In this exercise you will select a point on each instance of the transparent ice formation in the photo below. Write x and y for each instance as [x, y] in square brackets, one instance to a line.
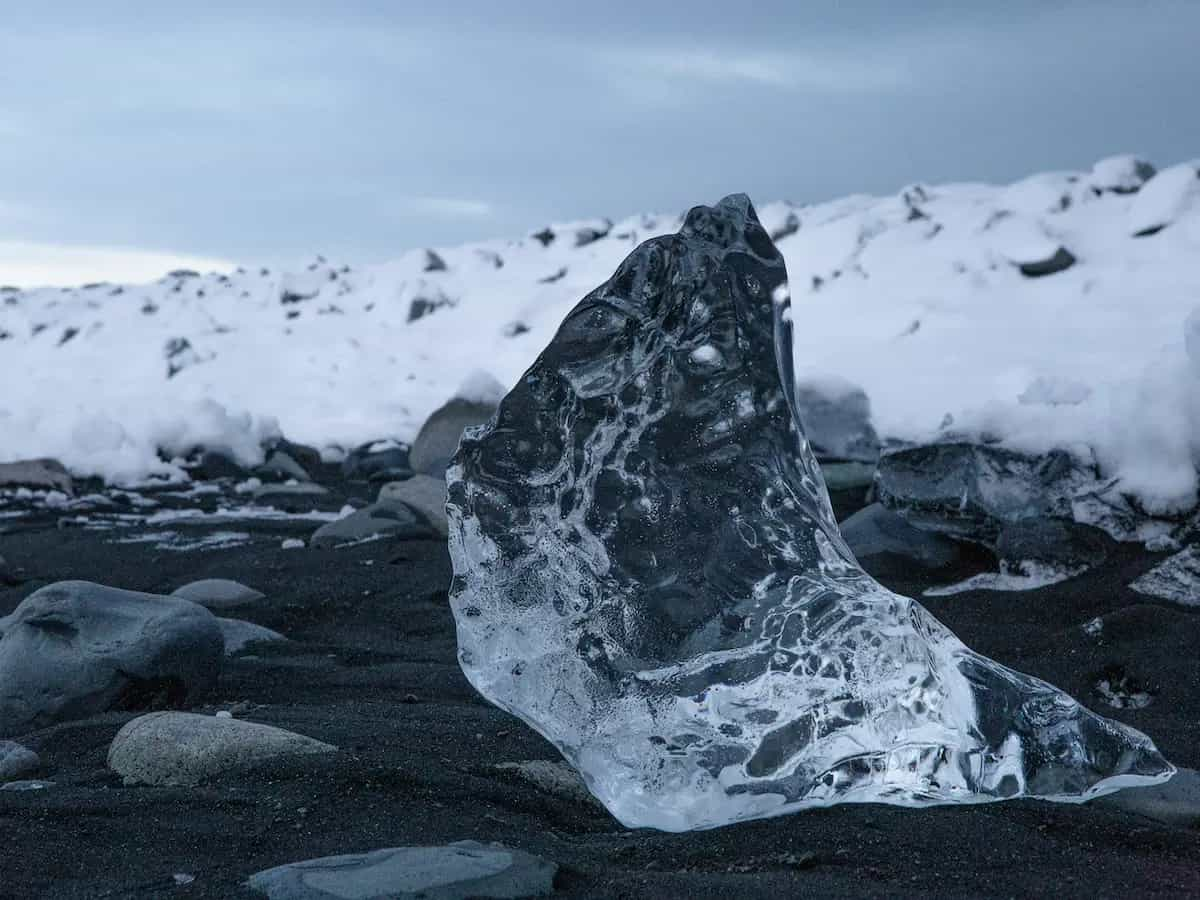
[647, 570]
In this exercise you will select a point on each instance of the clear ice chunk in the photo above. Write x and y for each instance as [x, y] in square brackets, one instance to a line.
[647, 570]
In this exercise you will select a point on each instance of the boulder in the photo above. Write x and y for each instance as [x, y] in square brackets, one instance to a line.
[876, 531]
[1165, 199]
[75, 649]
[377, 460]
[438, 439]
[552, 777]
[239, 634]
[464, 869]
[16, 761]
[373, 521]
[41, 474]
[1056, 543]
[182, 749]
[424, 493]
[218, 593]
[294, 497]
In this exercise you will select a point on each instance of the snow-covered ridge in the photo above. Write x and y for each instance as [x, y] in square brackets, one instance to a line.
[1053, 312]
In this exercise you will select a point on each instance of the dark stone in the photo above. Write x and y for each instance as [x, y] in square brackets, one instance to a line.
[433, 262]
[365, 464]
[876, 531]
[1061, 260]
[1061, 543]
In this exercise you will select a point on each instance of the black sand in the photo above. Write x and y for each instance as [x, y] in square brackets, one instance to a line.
[373, 671]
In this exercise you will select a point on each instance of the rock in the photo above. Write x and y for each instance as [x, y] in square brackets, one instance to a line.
[876, 531]
[1120, 174]
[439, 436]
[1059, 261]
[40, 474]
[294, 497]
[75, 649]
[215, 464]
[424, 493]
[239, 634]
[1165, 199]
[218, 593]
[848, 476]
[1175, 803]
[1056, 543]
[837, 420]
[378, 459]
[647, 570]
[464, 869]
[279, 466]
[16, 761]
[374, 521]
[555, 778]
[308, 458]
[1176, 579]
[183, 749]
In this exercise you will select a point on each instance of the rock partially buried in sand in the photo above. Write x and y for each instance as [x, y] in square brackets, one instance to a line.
[424, 493]
[377, 520]
[239, 635]
[76, 648]
[465, 869]
[182, 749]
[16, 761]
[647, 570]
[218, 593]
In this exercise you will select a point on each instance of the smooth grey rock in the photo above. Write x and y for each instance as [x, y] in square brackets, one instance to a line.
[438, 439]
[876, 531]
[457, 871]
[424, 493]
[75, 649]
[373, 521]
[181, 749]
[1175, 579]
[44, 474]
[836, 416]
[218, 593]
[16, 761]
[239, 634]
[556, 778]
[281, 466]
[1177, 802]
[308, 458]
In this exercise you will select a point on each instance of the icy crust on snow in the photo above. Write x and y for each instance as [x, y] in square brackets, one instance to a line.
[919, 298]
[648, 571]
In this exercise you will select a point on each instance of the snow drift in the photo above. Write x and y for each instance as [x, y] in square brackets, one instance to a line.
[1055, 312]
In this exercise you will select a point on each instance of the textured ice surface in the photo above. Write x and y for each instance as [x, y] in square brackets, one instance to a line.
[647, 570]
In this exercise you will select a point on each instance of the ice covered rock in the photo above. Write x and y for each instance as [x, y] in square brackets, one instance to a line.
[647, 570]
[75, 648]
[971, 491]
[1164, 199]
[1123, 174]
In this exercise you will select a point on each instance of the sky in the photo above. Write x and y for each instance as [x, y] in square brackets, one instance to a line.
[137, 137]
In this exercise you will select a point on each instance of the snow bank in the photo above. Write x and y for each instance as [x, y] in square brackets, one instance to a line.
[950, 305]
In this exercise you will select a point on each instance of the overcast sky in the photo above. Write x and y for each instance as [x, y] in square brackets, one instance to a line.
[255, 132]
